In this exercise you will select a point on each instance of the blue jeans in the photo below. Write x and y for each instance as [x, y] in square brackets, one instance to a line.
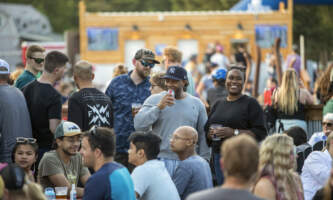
[288, 123]
[217, 168]
[170, 164]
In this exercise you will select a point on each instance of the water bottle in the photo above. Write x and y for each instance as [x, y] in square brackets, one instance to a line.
[49, 193]
[73, 193]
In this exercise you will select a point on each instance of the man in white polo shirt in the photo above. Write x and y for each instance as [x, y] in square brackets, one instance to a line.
[316, 169]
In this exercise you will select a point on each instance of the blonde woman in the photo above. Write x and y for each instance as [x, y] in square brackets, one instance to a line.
[157, 83]
[289, 102]
[277, 179]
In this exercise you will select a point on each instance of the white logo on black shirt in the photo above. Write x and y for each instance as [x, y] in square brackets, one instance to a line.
[98, 114]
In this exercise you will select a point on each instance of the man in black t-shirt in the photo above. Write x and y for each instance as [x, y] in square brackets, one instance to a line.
[88, 106]
[44, 102]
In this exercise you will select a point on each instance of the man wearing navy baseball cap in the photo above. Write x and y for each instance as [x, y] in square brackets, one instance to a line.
[165, 113]
[14, 119]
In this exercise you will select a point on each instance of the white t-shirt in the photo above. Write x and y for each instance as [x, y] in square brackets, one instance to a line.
[152, 181]
[315, 172]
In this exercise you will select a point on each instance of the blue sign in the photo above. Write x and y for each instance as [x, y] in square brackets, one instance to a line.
[102, 39]
[159, 49]
[266, 35]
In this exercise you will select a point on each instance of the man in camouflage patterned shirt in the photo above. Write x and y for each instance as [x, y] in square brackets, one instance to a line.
[125, 90]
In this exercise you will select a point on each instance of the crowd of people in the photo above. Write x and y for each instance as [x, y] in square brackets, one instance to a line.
[171, 134]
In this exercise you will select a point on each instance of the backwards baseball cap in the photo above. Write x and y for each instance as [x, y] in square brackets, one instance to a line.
[219, 74]
[176, 73]
[66, 129]
[146, 54]
[4, 64]
[13, 176]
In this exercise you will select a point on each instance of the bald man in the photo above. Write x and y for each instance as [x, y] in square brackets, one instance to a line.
[193, 173]
[88, 106]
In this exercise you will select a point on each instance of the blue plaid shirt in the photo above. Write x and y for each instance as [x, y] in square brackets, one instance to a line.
[123, 92]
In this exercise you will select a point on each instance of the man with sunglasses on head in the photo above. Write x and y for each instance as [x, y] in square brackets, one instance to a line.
[34, 64]
[111, 180]
[14, 117]
[64, 166]
[44, 101]
[125, 90]
[327, 129]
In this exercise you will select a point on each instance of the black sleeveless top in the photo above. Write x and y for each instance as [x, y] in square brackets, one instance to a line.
[299, 114]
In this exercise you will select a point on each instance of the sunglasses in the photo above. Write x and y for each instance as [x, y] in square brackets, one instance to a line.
[147, 64]
[37, 60]
[327, 124]
[93, 132]
[26, 140]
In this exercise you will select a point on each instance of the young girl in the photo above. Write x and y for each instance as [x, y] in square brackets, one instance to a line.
[25, 154]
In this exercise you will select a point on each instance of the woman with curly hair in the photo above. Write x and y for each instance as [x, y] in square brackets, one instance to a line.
[119, 70]
[323, 85]
[277, 179]
[289, 102]
[157, 83]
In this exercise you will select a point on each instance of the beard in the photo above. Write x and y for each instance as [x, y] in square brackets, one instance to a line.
[68, 153]
[143, 74]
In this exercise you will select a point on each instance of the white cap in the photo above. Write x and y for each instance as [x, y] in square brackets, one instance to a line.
[328, 116]
[4, 64]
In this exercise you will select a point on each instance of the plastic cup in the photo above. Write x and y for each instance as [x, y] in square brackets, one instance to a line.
[135, 108]
[61, 192]
[213, 127]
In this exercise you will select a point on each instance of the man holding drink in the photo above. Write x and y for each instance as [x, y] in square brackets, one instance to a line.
[165, 113]
[124, 91]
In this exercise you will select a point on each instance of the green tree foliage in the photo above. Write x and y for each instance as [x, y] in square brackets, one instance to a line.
[63, 14]
[316, 24]
[189, 5]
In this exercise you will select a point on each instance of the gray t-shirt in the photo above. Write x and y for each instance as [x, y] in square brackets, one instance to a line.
[153, 182]
[219, 193]
[189, 111]
[192, 174]
[51, 164]
[14, 120]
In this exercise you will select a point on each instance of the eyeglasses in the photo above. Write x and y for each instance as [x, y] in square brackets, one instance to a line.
[147, 64]
[37, 60]
[175, 137]
[328, 124]
[26, 140]
[93, 132]
[153, 85]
